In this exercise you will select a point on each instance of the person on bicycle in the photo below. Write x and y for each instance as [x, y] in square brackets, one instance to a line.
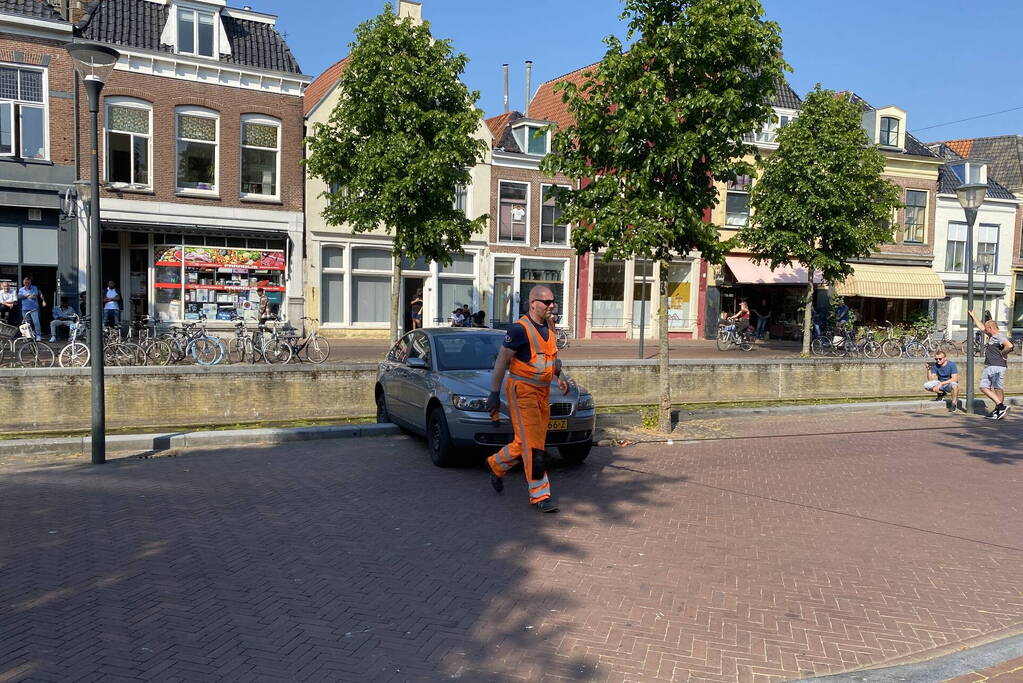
[741, 319]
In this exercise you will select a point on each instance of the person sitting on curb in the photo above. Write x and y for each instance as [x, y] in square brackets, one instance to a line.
[943, 379]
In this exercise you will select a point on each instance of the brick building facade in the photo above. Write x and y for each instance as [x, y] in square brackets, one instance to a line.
[201, 141]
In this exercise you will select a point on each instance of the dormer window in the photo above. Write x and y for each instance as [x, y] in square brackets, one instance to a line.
[889, 131]
[196, 33]
[970, 173]
[536, 140]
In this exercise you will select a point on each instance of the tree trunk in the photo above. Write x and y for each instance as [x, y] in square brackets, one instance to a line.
[808, 313]
[664, 414]
[395, 296]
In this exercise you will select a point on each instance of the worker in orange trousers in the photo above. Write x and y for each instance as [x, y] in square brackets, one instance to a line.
[529, 357]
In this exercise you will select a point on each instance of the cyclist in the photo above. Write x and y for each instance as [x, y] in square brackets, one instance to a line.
[741, 319]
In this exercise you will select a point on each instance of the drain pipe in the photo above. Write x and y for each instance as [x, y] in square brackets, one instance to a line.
[529, 77]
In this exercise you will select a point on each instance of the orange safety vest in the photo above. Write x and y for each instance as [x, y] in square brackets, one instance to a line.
[539, 371]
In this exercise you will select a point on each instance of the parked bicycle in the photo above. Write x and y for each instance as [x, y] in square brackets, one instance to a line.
[310, 346]
[75, 353]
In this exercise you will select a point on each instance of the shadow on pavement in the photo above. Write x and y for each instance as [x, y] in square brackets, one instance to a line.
[348, 560]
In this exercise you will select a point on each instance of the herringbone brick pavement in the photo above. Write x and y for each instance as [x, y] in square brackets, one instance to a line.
[765, 558]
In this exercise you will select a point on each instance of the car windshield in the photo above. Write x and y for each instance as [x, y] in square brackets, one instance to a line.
[467, 351]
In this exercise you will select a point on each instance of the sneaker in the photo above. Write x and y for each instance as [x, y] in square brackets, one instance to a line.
[497, 482]
[546, 505]
[953, 408]
[940, 397]
[993, 415]
[53, 340]
[1000, 412]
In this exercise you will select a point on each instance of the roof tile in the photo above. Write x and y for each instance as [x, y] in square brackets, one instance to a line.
[37, 9]
[323, 84]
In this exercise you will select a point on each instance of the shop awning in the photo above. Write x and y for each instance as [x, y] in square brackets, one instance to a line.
[749, 273]
[29, 199]
[191, 229]
[892, 282]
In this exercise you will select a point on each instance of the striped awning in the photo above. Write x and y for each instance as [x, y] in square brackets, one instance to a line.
[892, 282]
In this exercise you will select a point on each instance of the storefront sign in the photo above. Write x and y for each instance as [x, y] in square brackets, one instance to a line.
[240, 259]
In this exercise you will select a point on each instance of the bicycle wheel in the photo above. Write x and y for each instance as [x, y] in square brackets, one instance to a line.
[74, 355]
[35, 355]
[204, 351]
[891, 348]
[562, 339]
[277, 351]
[157, 352]
[817, 347]
[871, 349]
[236, 349]
[916, 350]
[178, 349]
[724, 340]
[317, 350]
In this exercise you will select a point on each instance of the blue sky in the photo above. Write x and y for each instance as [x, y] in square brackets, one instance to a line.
[941, 60]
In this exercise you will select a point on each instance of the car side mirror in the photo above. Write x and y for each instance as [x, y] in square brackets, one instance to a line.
[417, 363]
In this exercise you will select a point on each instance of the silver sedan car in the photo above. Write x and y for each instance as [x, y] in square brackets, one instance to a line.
[435, 382]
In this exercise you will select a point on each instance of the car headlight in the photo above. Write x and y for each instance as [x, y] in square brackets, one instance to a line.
[472, 404]
[585, 402]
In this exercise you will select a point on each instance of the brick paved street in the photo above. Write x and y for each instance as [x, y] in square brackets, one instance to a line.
[766, 558]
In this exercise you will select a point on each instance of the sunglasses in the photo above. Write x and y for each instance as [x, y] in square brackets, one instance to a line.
[545, 302]
[939, 358]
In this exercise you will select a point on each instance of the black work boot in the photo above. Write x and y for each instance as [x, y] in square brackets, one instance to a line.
[547, 505]
[497, 482]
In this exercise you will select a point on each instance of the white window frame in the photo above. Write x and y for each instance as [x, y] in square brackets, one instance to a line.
[437, 272]
[568, 226]
[564, 307]
[465, 190]
[970, 168]
[949, 241]
[881, 132]
[345, 282]
[195, 11]
[628, 273]
[905, 223]
[17, 104]
[735, 191]
[199, 112]
[262, 120]
[529, 211]
[128, 103]
[978, 267]
[350, 281]
[768, 133]
[529, 130]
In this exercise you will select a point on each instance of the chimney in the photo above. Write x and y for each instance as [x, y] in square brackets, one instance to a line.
[76, 10]
[505, 67]
[414, 10]
[529, 78]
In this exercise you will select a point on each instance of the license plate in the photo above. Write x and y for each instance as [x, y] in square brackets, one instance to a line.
[557, 426]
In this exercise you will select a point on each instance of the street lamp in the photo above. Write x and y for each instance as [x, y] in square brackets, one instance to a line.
[94, 63]
[971, 197]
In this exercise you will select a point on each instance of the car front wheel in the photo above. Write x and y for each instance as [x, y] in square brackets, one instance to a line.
[382, 415]
[575, 453]
[438, 440]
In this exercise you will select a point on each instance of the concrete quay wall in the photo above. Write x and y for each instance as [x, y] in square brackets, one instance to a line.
[144, 398]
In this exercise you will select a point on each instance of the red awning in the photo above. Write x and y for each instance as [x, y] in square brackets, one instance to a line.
[747, 272]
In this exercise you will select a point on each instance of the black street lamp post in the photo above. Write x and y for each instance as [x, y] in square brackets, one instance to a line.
[94, 63]
[971, 197]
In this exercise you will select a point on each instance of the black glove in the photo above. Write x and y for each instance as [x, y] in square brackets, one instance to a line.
[493, 401]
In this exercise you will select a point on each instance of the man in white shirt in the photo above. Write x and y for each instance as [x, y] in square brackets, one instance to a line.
[8, 301]
[112, 306]
[62, 316]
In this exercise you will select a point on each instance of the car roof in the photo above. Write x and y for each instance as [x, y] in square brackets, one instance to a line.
[443, 331]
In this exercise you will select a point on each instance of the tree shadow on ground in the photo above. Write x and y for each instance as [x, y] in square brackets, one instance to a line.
[349, 560]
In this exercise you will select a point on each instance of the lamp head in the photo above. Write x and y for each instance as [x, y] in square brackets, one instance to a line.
[93, 61]
[84, 190]
[971, 195]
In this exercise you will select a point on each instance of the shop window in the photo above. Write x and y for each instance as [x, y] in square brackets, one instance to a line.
[916, 216]
[128, 126]
[551, 274]
[512, 212]
[332, 282]
[23, 113]
[196, 32]
[261, 142]
[987, 248]
[1017, 308]
[553, 230]
[198, 136]
[955, 250]
[192, 280]
[608, 294]
[642, 289]
[737, 202]
[679, 295]
[371, 285]
[456, 285]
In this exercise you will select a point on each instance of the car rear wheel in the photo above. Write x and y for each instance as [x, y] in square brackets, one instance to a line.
[575, 453]
[382, 415]
[438, 440]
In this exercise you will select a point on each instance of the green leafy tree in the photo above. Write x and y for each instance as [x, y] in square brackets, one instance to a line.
[399, 142]
[654, 124]
[821, 199]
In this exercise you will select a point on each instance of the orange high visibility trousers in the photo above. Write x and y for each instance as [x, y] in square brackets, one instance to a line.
[530, 410]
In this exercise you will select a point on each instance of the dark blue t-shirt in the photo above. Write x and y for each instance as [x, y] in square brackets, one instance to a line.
[517, 340]
[944, 372]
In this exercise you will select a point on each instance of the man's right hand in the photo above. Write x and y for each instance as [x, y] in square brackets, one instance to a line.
[493, 401]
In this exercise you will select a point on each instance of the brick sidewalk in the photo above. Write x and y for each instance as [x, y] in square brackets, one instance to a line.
[758, 559]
